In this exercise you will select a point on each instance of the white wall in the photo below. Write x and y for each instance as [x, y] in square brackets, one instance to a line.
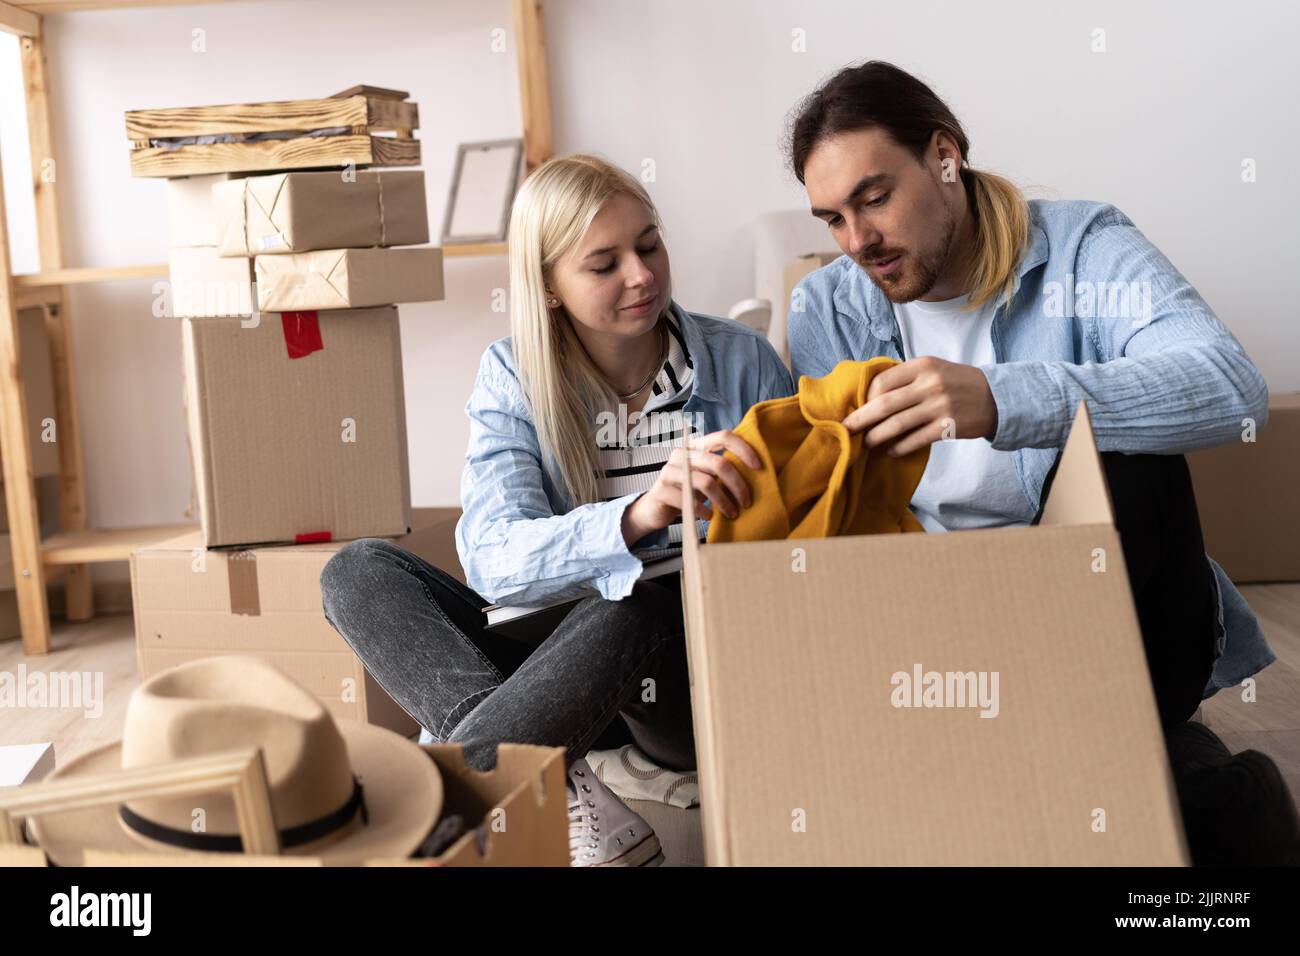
[1158, 124]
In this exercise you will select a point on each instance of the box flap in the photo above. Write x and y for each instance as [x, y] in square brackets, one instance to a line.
[1079, 492]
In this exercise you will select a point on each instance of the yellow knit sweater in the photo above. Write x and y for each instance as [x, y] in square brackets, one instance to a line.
[817, 480]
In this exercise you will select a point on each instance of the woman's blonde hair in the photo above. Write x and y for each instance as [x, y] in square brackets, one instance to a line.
[551, 213]
[878, 94]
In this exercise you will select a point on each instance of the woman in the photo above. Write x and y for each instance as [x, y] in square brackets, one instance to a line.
[580, 424]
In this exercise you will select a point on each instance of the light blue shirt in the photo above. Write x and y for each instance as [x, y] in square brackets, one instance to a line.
[520, 539]
[1098, 314]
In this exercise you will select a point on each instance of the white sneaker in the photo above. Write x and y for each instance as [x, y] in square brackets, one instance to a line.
[603, 830]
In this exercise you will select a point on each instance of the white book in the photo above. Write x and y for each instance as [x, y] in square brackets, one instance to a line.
[25, 763]
[523, 622]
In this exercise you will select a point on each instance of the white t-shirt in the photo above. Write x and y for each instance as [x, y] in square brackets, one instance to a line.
[967, 483]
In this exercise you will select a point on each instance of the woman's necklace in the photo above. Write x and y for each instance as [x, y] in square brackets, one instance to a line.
[663, 357]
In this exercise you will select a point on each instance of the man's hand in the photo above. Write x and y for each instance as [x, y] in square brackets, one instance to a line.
[923, 400]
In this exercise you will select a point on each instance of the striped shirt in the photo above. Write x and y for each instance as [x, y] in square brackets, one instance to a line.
[633, 447]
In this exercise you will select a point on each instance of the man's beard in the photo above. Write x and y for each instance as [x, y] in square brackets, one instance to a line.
[918, 273]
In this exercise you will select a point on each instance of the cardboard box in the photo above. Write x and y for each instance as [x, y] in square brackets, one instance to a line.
[191, 211]
[818, 744]
[348, 278]
[190, 602]
[521, 804]
[525, 789]
[206, 285]
[300, 212]
[1247, 498]
[298, 426]
[795, 270]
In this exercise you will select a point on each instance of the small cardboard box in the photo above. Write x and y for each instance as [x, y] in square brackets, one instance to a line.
[348, 278]
[297, 424]
[205, 285]
[1247, 498]
[190, 602]
[839, 687]
[795, 270]
[191, 211]
[521, 804]
[517, 811]
[301, 212]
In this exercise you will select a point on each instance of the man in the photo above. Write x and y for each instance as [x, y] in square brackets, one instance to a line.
[1004, 314]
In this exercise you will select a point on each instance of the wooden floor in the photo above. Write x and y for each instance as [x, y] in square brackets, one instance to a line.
[1270, 724]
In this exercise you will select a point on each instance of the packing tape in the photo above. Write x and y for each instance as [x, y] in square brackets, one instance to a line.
[383, 232]
[243, 216]
[301, 333]
[312, 537]
[244, 597]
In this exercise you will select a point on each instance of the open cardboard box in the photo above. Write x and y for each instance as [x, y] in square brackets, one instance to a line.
[520, 802]
[800, 652]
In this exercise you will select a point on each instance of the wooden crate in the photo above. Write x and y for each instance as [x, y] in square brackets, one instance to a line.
[362, 111]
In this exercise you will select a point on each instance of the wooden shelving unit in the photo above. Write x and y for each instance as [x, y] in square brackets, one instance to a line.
[70, 553]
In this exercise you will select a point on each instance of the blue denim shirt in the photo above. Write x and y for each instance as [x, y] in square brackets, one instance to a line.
[520, 539]
[1098, 314]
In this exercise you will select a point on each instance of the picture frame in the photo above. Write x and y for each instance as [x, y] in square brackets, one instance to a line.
[483, 185]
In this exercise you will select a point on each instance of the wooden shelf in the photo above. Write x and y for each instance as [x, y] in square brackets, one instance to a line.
[37, 295]
[107, 544]
[474, 249]
[32, 287]
[58, 277]
[70, 553]
[68, 6]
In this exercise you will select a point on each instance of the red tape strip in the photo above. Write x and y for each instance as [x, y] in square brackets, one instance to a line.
[301, 333]
[312, 537]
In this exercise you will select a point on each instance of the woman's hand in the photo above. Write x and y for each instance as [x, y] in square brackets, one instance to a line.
[712, 477]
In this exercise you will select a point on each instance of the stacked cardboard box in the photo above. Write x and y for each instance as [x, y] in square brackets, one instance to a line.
[285, 283]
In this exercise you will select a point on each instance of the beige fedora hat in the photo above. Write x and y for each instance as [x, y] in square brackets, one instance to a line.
[346, 792]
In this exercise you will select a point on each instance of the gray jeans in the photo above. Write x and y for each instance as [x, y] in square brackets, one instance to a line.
[421, 634]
